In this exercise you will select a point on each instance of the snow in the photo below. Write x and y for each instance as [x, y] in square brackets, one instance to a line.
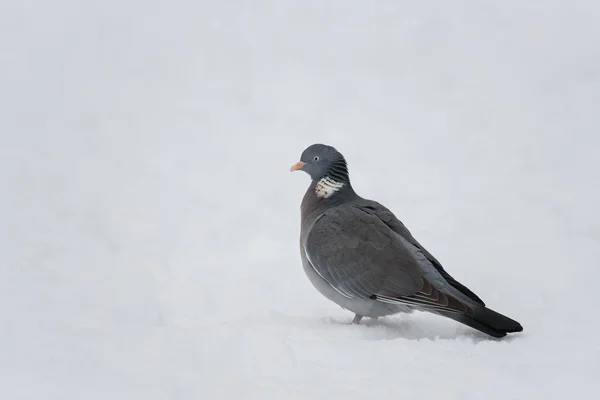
[149, 236]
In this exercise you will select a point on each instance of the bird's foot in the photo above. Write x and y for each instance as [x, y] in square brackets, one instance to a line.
[357, 319]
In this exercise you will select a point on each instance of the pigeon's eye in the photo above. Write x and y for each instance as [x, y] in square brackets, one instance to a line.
[316, 158]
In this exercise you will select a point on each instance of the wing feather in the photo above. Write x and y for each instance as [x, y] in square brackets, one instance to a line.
[397, 226]
[360, 256]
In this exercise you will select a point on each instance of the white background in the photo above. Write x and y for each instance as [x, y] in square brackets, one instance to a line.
[149, 223]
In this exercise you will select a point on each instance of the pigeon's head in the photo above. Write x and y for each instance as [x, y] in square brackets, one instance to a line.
[319, 161]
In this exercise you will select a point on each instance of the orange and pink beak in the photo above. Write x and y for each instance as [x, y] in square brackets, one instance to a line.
[297, 166]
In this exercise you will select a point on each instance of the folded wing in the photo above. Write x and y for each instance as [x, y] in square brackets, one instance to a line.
[361, 256]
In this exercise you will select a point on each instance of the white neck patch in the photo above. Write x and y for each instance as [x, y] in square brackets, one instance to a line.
[327, 187]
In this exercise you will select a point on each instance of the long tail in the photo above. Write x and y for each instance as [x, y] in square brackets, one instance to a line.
[487, 321]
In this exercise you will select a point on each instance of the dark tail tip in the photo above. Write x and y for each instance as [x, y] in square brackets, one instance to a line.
[488, 321]
[496, 320]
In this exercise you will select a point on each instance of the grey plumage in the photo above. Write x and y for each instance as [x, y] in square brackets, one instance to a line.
[360, 256]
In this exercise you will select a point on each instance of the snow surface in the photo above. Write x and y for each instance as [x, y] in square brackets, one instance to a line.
[149, 235]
